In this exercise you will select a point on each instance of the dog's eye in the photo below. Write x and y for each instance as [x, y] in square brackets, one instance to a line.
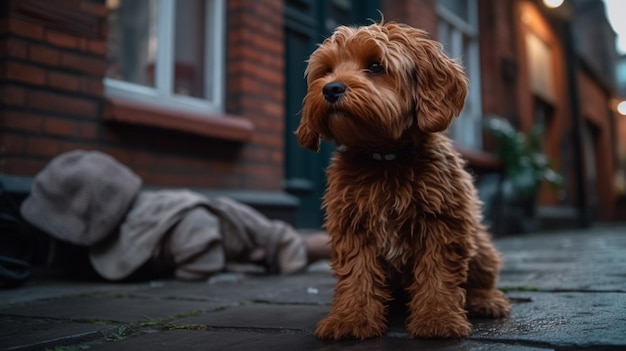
[375, 68]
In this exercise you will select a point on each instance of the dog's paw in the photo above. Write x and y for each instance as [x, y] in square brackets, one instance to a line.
[449, 326]
[488, 304]
[338, 328]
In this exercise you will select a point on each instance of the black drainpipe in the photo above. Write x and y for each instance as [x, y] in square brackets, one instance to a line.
[571, 62]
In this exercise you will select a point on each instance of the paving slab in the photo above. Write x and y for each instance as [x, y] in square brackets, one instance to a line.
[254, 341]
[304, 288]
[18, 333]
[263, 316]
[568, 291]
[50, 287]
[109, 308]
[586, 260]
[561, 320]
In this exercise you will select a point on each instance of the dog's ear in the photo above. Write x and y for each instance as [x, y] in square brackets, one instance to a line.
[441, 84]
[307, 138]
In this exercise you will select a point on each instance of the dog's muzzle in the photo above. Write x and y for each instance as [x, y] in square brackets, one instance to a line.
[333, 91]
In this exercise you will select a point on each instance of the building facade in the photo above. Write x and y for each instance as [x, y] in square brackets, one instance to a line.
[205, 94]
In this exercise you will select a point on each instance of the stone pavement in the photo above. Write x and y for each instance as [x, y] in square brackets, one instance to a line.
[568, 291]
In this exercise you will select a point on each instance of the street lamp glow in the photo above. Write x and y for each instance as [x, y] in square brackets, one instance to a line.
[553, 3]
[621, 108]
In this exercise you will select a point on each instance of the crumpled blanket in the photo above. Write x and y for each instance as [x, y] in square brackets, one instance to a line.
[197, 236]
[77, 198]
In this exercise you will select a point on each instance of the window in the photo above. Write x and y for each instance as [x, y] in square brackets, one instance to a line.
[539, 57]
[458, 32]
[167, 53]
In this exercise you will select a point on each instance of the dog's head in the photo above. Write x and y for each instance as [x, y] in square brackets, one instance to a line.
[377, 82]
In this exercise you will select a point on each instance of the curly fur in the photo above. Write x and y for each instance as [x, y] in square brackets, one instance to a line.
[414, 220]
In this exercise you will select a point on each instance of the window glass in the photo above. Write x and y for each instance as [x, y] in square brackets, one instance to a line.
[167, 52]
[458, 7]
[132, 42]
[539, 58]
[189, 50]
[458, 33]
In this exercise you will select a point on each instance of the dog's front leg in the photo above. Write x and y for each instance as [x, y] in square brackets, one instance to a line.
[360, 298]
[436, 306]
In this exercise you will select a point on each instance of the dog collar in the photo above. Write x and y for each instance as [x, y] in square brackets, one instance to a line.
[381, 156]
[384, 157]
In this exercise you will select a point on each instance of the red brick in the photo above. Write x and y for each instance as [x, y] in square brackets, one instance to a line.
[263, 171]
[59, 126]
[24, 73]
[118, 153]
[258, 154]
[88, 130]
[271, 125]
[27, 122]
[4, 25]
[252, 69]
[277, 157]
[170, 179]
[274, 110]
[144, 159]
[12, 143]
[70, 145]
[44, 55]
[93, 8]
[13, 96]
[64, 81]
[62, 104]
[183, 163]
[25, 29]
[81, 63]
[42, 146]
[268, 44]
[92, 86]
[97, 47]
[268, 140]
[14, 48]
[23, 166]
[61, 39]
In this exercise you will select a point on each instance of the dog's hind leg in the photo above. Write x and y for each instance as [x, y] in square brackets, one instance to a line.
[482, 297]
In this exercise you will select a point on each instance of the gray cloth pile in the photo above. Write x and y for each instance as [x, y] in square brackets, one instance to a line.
[88, 198]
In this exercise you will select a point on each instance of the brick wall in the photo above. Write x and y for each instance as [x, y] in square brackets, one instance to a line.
[498, 53]
[52, 64]
[417, 13]
[50, 80]
[256, 86]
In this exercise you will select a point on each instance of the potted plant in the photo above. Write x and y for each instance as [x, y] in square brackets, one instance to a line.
[525, 166]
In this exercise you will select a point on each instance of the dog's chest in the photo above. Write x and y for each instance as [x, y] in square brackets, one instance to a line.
[396, 246]
[396, 229]
[381, 204]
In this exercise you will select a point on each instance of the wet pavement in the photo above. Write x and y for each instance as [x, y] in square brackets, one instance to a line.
[568, 291]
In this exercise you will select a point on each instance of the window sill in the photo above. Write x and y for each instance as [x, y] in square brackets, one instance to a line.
[480, 160]
[220, 127]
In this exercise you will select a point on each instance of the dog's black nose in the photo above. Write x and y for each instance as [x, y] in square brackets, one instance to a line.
[333, 91]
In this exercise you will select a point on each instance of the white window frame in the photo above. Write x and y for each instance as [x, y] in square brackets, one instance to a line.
[162, 94]
[467, 129]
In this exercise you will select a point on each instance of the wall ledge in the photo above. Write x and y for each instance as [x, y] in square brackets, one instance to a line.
[479, 159]
[225, 127]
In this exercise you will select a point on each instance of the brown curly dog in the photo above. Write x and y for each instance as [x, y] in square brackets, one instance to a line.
[400, 207]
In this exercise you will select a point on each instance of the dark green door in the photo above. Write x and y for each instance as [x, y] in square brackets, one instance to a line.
[307, 23]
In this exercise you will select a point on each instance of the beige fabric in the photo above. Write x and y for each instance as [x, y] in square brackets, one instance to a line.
[80, 197]
[88, 198]
[198, 235]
